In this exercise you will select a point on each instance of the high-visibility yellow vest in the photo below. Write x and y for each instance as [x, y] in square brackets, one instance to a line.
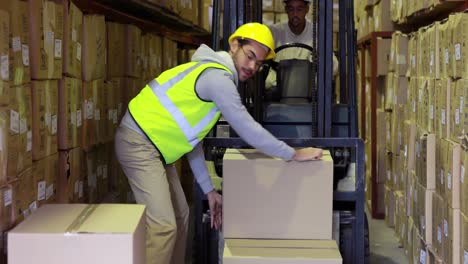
[171, 114]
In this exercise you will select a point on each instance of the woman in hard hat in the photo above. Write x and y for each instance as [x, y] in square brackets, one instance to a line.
[171, 116]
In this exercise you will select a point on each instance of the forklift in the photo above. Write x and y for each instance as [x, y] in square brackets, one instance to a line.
[303, 111]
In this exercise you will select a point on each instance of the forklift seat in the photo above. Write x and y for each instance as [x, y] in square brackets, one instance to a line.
[294, 80]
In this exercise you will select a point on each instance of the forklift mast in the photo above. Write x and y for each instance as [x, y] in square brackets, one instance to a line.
[336, 117]
[336, 122]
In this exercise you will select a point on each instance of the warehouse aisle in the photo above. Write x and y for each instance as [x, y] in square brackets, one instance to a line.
[384, 246]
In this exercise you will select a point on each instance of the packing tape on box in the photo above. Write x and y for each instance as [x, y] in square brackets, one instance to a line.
[82, 217]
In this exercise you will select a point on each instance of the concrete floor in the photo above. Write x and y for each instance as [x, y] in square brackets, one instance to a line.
[384, 246]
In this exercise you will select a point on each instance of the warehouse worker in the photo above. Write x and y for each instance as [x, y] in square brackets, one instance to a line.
[297, 30]
[171, 116]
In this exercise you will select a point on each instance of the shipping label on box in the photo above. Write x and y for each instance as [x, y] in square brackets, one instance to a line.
[44, 119]
[73, 40]
[56, 230]
[272, 184]
[94, 50]
[20, 72]
[46, 37]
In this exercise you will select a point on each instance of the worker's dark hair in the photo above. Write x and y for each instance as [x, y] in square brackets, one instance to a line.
[243, 41]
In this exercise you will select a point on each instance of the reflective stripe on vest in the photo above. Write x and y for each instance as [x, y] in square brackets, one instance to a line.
[189, 131]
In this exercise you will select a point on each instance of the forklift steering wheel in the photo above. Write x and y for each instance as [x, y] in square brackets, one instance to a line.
[274, 64]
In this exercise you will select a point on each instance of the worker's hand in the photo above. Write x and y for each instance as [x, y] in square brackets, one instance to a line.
[215, 202]
[307, 154]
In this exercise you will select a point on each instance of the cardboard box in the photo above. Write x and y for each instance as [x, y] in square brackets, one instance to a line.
[70, 183]
[260, 251]
[425, 159]
[20, 139]
[444, 49]
[268, 18]
[398, 54]
[169, 52]
[453, 166]
[91, 113]
[464, 183]
[206, 14]
[69, 113]
[54, 233]
[44, 118]
[459, 40]
[389, 207]
[132, 51]
[464, 239]
[438, 212]
[442, 155]
[94, 52]
[452, 229]
[382, 21]
[25, 195]
[4, 50]
[115, 50]
[154, 56]
[412, 53]
[383, 56]
[46, 37]
[73, 39]
[45, 174]
[268, 5]
[20, 72]
[273, 185]
[6, 207]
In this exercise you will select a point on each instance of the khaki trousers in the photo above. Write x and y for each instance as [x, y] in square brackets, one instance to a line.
[158, 187]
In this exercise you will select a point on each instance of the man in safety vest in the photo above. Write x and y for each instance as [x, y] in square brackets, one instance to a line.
[170, 117]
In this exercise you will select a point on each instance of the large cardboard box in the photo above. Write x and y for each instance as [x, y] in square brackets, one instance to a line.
[261, 251]
[464, 239]
[45, 174]
[425, 159]
[382, 21]
[25, 195]
[453, 166]
[72, 42]
[383, 56]
[46, 36]
[115, 49]
[6, 208]
[452, 230]
[70, 183]
[459, 40]
[91, 113]
[4, 50]
[44, 118]
[55, 232]
[20, 72]
[94, 50]
[270, 198]
[69, 113]
[132, 51]
[20, 139]
[464, 183]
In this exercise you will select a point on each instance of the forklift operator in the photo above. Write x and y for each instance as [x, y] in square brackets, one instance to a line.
[170, 117]
[297, 30]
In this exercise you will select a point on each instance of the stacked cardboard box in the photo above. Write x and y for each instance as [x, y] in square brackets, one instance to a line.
[304, 230]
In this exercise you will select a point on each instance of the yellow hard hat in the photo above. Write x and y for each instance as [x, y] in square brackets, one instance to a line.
[258, 32]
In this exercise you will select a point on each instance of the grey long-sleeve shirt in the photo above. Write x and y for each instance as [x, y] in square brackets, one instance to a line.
[220, 87]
